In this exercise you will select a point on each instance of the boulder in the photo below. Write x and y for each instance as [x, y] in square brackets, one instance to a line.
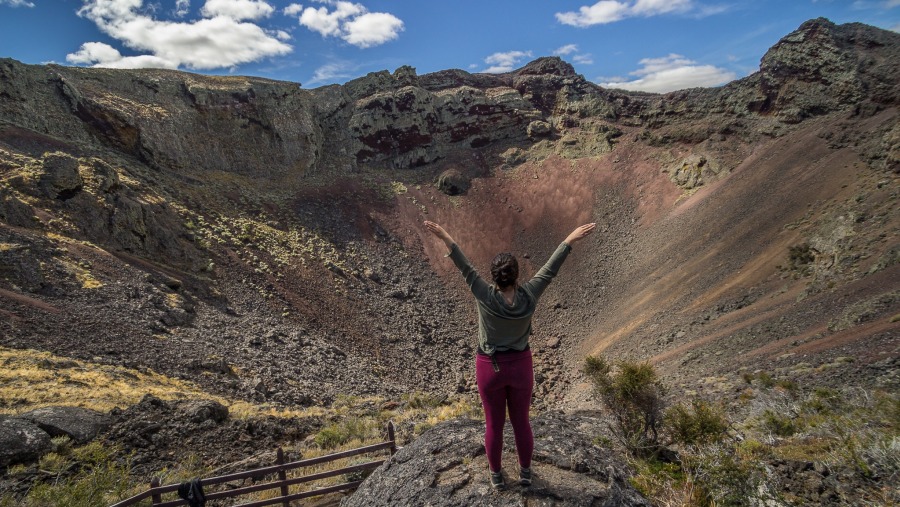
[694, 171]
[21, 441]
[59, 178]
[80, 424]
[15, 212]
[453, 182]
[538, 128]
[447, 466]
[204, 410]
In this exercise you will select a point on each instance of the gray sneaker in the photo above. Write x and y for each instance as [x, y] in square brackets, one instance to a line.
[525, 477]
[497, 480]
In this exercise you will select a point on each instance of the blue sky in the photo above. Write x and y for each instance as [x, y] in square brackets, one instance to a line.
[649, 45]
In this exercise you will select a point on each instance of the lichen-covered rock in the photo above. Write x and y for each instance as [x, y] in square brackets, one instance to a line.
[13, 211]
[538, 128]
[694, 171]
[21, 441]
[80, 424]
[513, 156]
[446, 466]
[58, 177]
[199, 411]
[453, 182]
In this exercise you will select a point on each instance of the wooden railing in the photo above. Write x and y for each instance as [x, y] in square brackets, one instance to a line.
[279, 469]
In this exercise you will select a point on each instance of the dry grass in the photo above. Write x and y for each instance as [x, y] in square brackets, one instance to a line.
[31, 379]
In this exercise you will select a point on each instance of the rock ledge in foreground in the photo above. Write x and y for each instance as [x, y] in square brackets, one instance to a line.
[447, 466]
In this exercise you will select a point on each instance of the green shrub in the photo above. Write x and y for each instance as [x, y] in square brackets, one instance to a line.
[823, 401]
[656, 480]
[634, 397]
[419, 400]
[723, 477]
[765, 380]
[702, 422]
[787, 385]
[62, 445]
[344, 431]
[88, 476]
[780, 425]
[800, 257]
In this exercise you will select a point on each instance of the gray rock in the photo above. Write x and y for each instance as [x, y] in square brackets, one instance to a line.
[538, 128]
[447, 466]
[80, 424]
[13, 211]
[60, 178]
[205, 410]
[21, 441]
[453, 182]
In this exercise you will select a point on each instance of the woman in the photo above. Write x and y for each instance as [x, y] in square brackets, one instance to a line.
[503, 369]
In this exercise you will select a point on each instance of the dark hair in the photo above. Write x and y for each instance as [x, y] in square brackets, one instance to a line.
[505, 270]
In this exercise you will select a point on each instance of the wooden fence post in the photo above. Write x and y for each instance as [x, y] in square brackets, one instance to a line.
[156, 498]
[391, 437]
[282, 475]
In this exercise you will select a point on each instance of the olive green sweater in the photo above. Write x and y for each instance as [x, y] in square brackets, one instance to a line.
[501, 326]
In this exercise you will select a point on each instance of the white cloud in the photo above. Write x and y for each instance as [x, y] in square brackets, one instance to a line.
[182, 8]
[237, 9]
[890, 4]
[351, 22]
[208, 43]
[17, 3]
[372, 29]
[293, 10]
[332, 72]
[895, 28]
[610, 11]
[565, 50]
[572, 49]
[584, 59]
[670, 73]
[103, 55]
[504, 62]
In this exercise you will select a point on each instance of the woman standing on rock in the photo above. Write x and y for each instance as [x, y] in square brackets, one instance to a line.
[503, 369]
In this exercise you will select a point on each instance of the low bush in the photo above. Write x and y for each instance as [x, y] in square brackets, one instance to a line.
[634, 397]
[86, 476]
[778, 424]
[723, 476]
[700, 423]
[345, 431]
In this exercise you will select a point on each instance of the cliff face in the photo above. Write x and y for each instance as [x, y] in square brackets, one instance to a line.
[177, 121]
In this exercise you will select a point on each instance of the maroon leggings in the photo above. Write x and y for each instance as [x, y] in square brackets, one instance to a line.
[508, 388]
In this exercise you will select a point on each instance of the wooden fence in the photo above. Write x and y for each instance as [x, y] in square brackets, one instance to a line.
[280, 468]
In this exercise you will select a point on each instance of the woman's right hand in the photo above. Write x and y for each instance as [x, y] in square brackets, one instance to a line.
[580, 233]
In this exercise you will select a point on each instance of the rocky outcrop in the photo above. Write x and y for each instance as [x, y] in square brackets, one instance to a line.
[694, 171]
[89, 194]
[819, 68]
[446, 466]
[822, 67]
[80, 424]
[21, 441]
